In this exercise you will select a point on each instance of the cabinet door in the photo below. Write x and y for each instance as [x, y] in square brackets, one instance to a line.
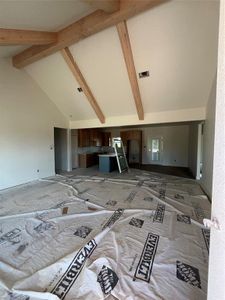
[106, 136]
[80, 138]
[83, 138]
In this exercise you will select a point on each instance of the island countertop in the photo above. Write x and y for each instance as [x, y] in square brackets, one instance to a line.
[107, 155]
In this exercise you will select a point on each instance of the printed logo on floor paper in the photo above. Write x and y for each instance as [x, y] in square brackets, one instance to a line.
[206, 235]
[107, 279]
[188, 274]
[116, 215]
[140, 183]
[70, 276]
[144, 267]
[199, 212]
[44, 226]
[159, 213]
[136, 222]
[184, 219]
[131, 196]
[13, 237]
[148, 199]
[178, 197]
[162, 194]
[83, 231]
[111, 202]
[14, 296]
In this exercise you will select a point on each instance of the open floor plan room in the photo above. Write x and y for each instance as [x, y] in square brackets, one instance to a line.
[112, 150]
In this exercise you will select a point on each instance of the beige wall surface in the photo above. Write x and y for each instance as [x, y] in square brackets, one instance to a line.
[27, 119]
[208, 142]
[174, 140]
[193, 149]
[216, 286]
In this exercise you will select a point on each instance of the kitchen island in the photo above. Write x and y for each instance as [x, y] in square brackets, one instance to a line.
[107, 162]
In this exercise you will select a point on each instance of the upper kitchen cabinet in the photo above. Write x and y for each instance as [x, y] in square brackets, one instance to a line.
[131, 135]
[106, 138]
[93, 137]
[83, 138]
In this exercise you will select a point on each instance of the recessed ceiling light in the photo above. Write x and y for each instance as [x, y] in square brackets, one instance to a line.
[144, 74]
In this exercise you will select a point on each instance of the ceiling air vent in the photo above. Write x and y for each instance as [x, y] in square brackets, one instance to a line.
[144, 74]
[79, 89]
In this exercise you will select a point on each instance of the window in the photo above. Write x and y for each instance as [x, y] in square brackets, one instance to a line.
[155, 149]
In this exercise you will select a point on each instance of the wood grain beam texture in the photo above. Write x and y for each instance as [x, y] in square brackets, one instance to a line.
[83, 28]
[26, 37]
[68, 57]
[109, 6]
[128, 57]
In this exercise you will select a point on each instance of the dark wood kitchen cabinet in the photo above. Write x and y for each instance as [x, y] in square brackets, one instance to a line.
[83, 138]
[106, 136]
[127, 138]
[87, 160]
[93, 137]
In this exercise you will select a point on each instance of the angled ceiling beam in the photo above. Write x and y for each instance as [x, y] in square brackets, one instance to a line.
[26, 37]
[128, 57]
[67, 55]
[83, 28]
[109, 6]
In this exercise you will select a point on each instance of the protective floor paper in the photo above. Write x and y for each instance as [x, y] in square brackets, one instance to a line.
[132, 236]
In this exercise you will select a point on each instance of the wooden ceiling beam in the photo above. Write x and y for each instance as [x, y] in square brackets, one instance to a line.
[67, 55]
[109, 6]
[83, 28]
[26, 37]
[129, 60]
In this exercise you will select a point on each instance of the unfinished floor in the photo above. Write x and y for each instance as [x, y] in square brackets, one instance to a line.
[90, 236]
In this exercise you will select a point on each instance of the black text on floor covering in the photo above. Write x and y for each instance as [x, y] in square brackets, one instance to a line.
[144, 267]
[74, 269]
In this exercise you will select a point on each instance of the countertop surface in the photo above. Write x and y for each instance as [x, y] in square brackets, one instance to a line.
[108, 155]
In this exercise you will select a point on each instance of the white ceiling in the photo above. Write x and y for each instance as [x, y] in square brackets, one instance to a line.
[176, 42]
[46, 15]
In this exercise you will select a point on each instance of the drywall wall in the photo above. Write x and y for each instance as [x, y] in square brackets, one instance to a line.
[193, 149]
[183, 115]
[208, 142]
[216, 279]
[175, 143]
[27, 120]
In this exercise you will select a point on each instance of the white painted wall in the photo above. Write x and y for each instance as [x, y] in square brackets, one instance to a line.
[208, 142]
[183, 115]
[175, 144]
[193, 149]
[27, 118]
[216, 286]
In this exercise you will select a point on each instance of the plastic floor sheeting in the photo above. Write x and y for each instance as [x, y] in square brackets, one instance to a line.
[132, 236]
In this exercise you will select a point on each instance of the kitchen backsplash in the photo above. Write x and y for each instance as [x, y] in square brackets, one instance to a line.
[93, 149]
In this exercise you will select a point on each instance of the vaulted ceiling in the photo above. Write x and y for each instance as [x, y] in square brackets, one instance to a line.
[175, 41]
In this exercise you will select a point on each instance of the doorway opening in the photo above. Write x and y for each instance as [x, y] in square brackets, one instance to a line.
[60, 146]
